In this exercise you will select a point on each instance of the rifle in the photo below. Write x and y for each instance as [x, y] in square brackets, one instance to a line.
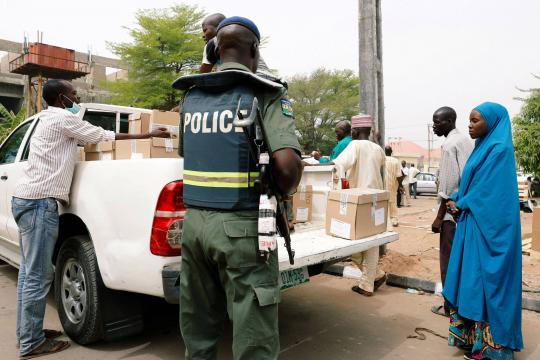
[265, 184]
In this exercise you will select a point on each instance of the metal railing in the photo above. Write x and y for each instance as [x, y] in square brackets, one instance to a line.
[48, 61]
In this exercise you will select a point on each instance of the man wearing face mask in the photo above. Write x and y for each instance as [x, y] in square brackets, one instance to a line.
[47, 179]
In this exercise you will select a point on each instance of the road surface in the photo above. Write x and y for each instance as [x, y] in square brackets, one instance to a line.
[320, 320]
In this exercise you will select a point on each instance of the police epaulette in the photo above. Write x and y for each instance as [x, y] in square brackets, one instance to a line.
[225, 78]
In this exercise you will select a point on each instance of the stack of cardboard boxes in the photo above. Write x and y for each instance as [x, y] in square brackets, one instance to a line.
[140, 123]
[100, 151]
[350, 213]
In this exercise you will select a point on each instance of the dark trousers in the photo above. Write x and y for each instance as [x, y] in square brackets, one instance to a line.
[398, 199]
[448, 230]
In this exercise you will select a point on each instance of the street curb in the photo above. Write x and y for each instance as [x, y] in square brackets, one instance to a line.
[335, 269]
[405, 282]
[530, 304]
[413, 283]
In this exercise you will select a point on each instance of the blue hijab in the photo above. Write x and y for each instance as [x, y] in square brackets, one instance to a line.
[484, 273]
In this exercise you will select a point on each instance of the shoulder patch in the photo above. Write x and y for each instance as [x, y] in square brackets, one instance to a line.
[286, 108]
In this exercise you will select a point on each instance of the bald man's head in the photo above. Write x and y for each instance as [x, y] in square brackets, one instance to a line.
[388, 150]
[237, 43]
[210, 24]
[343, 129]
[448, 112]
[444, 121]
[214, 19]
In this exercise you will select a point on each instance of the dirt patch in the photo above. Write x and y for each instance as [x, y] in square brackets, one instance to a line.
[416, 253]
[411, 266]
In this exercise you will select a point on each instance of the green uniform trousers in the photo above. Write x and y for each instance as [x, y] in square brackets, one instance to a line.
[220, 275]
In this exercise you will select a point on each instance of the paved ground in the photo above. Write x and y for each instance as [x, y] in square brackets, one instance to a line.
[320, 320]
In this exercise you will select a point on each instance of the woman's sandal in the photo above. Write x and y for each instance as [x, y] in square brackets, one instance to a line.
[439, 310]
[49, 346]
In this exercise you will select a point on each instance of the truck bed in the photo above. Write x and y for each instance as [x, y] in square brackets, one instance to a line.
[312, 246]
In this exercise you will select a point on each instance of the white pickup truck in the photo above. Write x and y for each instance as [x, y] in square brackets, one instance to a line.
[121, 234]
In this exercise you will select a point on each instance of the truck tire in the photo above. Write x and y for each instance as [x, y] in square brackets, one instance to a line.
[87, 309]
[77, 290]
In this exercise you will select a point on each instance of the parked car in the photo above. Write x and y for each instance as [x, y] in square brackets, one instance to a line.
[116, 240]
[426, 183]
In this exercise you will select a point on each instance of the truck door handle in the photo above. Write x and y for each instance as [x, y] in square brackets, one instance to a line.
[3, 177]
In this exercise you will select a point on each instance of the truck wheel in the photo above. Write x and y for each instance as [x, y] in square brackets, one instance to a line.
[77, 290]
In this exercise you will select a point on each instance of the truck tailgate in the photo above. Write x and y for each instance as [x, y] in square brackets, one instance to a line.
[313, 246]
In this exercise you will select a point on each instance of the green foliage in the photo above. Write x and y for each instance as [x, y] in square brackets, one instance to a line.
[10, 121]
[165, 45]
[527, 134]
[320, 100]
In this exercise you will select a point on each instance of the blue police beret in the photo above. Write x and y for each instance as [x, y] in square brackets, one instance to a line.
[240, 21]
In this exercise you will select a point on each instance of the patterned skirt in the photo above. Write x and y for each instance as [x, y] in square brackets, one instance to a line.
[475, 337]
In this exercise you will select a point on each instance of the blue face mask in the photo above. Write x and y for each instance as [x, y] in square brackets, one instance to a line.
[75, 108]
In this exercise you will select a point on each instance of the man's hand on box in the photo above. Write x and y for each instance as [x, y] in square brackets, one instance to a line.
[160, 133]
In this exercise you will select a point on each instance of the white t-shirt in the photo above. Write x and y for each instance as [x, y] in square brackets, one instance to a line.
[412, 174]
[204, 57]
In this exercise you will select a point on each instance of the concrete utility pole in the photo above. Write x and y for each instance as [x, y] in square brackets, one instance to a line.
[429, 145]
[370, 65]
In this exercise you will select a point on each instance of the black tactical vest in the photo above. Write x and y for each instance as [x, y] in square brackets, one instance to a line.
[219, 172]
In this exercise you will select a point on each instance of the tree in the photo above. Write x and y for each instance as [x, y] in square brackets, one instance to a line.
[10, 121]
[166, 45]
[527, 134]
[320, 100]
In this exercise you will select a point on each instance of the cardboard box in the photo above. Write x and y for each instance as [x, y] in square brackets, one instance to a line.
[99, 147]
[132, 149]
[165, 118]
[139, 123]
[356, 213]
[302, 204]
[100, 151]
[536, 229]
[99, 156]
[165, 148]
[80, 154]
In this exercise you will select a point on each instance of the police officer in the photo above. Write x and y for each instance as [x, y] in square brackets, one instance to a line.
[221, 273]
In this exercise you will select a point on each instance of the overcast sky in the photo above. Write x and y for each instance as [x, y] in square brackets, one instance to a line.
[457, 53]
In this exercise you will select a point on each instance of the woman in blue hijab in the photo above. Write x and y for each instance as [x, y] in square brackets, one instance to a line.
[483, 284]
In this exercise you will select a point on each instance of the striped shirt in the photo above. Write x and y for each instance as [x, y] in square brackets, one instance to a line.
[455, 152]
[53, 153]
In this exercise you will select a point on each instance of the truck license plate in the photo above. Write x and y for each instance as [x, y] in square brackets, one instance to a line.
[293, 277]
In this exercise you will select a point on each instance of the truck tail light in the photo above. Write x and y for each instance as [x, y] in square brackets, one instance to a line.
[166, 237]
[344, 183]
